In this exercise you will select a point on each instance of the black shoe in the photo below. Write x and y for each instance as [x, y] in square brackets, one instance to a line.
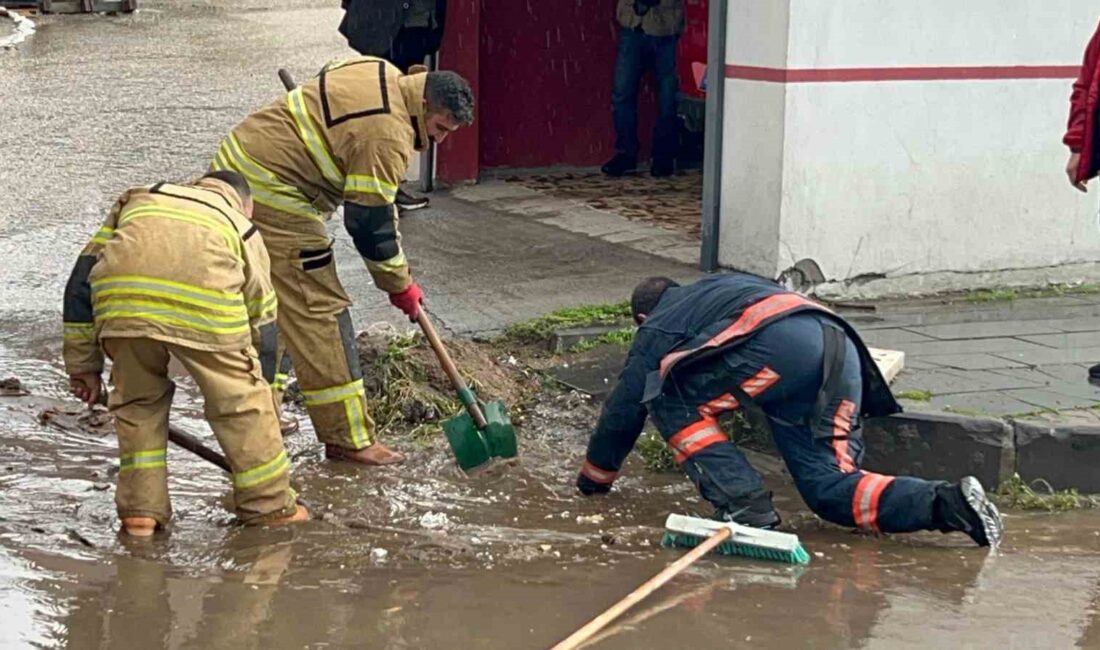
[406, 202]
[661, 167]
[756, 511]
[1094, 372]
[620, 165]
[965, 508]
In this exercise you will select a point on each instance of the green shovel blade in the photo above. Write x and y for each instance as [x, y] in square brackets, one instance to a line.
[469, 447]
[499, 432]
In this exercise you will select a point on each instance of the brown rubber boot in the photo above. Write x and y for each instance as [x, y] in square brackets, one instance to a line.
[139, 526]
[376, 454]
[300, 515]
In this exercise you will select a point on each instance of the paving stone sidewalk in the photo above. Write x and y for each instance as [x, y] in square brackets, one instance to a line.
[1002, 358]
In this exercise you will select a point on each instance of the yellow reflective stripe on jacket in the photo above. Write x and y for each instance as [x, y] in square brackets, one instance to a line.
[333, 394]
[315, 144]
[395, 263]
[78, 331]
[262, 473]
[267, 189]
[280, 381]
[158, 312]
[103, 235]
[263, 306]
[125, 285]
[231, 236]
[370, 185]
[149, 459]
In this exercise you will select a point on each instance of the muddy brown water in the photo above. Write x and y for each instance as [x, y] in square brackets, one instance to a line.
[414, 557]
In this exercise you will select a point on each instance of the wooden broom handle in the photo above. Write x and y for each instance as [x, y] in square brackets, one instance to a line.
[459, 383]
[653, 584]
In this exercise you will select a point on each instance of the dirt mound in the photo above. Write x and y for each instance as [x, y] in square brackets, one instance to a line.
[408, 392]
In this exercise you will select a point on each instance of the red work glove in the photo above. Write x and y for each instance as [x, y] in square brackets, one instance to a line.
[409, 301]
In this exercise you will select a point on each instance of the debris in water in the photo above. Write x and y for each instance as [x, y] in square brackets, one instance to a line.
[378, 555]
[545, 548]
[12, 387]
[590, 519]
[75, 535]
[100, 487]
[434, 520]
[609, 539]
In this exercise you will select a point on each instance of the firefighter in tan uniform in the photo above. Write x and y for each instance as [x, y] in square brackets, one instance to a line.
[344, 137]
[180, 271]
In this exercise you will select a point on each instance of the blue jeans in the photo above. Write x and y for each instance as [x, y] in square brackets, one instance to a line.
[637, 51]
[781, 369]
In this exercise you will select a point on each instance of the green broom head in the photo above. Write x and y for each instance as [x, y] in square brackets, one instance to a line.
[686, 532]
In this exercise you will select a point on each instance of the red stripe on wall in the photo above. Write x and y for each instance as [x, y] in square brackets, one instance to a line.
[833, 75]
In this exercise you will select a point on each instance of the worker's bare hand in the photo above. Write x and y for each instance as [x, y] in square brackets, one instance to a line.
[86, 386]
[1071, 171]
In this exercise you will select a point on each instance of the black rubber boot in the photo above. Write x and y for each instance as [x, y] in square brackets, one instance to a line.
[620, 165]
[755, 510]
[965, 508]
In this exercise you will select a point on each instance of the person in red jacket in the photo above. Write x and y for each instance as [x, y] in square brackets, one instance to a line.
[1081, 133]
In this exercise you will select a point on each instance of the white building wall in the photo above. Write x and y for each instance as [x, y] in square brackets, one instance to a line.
[896, 186]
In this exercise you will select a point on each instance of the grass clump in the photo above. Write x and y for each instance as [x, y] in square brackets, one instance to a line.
[1016, 493]
[399, 391]
[656, 454]
[915, 395]
[540, 329]
[623, 337]
[992, 295]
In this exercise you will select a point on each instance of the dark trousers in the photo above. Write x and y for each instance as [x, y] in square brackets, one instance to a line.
[637, 52]
[780, 368]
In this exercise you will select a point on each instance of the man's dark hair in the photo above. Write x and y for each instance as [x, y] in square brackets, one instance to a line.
[234, 180]
[648, 293]
[449, 91]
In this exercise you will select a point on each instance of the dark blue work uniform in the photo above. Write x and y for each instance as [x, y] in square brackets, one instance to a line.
[737, 339]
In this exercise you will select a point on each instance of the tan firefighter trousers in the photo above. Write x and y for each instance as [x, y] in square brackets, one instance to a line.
[237, 403]
[315, 328]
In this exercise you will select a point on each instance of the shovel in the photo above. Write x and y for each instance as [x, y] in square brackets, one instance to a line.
[482, 432]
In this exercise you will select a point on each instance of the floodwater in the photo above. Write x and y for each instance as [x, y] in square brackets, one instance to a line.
[414, 557]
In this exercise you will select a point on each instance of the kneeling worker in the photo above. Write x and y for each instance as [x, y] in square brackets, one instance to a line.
[180, 271]
[741, 341]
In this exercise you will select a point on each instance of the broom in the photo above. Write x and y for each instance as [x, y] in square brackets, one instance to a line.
[702, 535]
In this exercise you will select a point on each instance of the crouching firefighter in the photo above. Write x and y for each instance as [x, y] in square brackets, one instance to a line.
[739, 341]
[180, 271]
[342, 138]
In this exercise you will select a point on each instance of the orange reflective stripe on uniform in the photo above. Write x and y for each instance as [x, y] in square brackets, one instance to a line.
[267, 188]
[752, 386]
[601, 476]
[842, 426]
[750, 319]
[865, 502]
[314, 142]
[693, 439]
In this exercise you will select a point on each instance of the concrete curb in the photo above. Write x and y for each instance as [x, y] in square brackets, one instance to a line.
[947, 446]
[941, 446]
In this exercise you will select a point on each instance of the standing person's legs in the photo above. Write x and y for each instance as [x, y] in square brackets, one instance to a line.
[629, 64]
[237, 404]
[316, 328]
[667, 130]
[140, 398]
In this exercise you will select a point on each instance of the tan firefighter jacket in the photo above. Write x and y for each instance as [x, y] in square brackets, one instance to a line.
[346, 135]
[176, 263]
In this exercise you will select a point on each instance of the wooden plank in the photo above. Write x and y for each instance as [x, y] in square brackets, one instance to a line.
[889, 362]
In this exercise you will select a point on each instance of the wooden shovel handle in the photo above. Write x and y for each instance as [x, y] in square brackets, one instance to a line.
[576, 639]
[452, 371]
[193, 445]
